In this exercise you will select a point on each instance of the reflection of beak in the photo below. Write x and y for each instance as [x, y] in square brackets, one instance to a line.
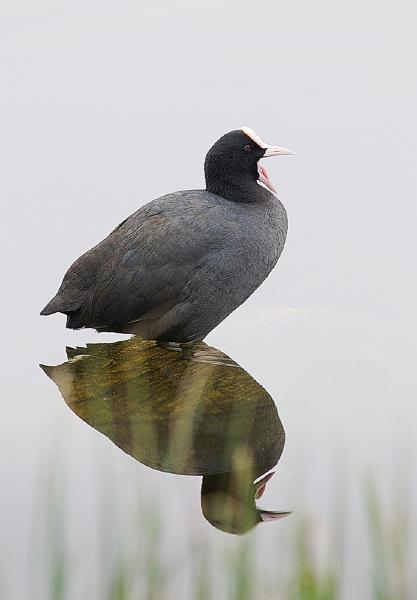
[270, 515]
[276, 151]
[261, 485]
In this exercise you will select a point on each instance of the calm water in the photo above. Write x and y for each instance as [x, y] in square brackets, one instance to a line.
[99, 118]
[190, 411]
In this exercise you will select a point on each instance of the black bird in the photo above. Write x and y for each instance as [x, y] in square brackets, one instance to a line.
[182, 263]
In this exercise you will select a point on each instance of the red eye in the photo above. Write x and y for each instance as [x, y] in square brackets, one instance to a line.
[247, 148]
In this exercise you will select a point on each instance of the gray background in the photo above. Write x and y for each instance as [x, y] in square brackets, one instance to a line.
[106, 105]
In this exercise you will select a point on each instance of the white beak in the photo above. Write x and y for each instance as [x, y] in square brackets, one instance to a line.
[276, 151]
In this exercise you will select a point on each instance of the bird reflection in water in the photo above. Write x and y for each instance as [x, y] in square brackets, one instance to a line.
[192, 411]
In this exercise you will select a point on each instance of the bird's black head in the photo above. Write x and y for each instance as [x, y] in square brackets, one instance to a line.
[231, 166]
[228, 502]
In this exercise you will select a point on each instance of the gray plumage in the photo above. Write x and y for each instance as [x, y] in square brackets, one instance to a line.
[176, 267]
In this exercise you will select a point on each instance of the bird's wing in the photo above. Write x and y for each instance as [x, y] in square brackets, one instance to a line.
[143, 266]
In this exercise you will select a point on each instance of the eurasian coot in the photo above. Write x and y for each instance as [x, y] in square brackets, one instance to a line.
[179, 265]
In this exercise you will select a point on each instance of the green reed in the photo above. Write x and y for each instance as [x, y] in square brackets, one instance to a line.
[141, 572]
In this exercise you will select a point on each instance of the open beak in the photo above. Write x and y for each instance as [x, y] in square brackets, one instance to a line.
[262, 172]
[269, 151]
